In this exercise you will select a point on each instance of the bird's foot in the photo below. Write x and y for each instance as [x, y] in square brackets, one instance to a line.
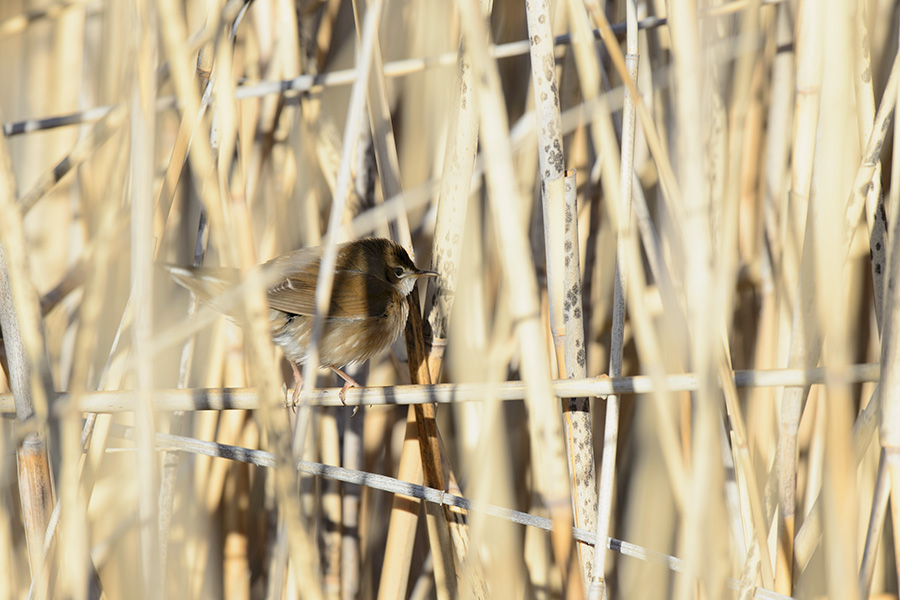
[349, 382]
[298, 380]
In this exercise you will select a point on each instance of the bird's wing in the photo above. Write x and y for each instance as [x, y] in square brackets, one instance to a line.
[355, 295]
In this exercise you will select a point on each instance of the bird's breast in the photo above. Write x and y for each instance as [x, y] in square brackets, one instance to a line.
[344, 340]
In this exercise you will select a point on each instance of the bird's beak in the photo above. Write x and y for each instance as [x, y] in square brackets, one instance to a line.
[423, 273]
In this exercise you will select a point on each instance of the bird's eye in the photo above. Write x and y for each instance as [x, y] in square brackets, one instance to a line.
[398, 271]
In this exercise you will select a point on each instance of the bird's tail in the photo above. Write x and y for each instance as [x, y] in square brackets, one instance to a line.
[208, 284]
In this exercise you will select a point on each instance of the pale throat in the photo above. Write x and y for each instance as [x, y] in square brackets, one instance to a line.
[406, 285]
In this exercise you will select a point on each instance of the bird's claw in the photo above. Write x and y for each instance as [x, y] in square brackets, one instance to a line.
[343, 396]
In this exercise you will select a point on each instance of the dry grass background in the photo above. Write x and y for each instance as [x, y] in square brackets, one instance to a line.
[723, 213]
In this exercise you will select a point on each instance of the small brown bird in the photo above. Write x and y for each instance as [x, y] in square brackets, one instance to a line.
[368, 307]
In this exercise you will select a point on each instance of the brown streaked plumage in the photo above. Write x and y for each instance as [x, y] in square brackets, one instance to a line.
[368, 307]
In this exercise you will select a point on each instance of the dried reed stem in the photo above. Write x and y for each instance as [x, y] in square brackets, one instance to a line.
[702, 524]
[249, 398]
[577, 416]
[431, 495]
[383, 135]
[578, 413]
[824, 223]
[105, 128]
[889, 426]
[29, 371]
[865, 115]
[617, 340]
[142, 151]
[446, 524]
[404, 517]
[453, 198]
[880, 497]
[804, 338]
[544, 423]
[240, 253]
[443, 544]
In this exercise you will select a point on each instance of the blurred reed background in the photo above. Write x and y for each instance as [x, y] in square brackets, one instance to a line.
[696, 194]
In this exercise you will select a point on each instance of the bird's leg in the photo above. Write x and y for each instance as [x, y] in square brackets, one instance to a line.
[298, 379]
[349, 382]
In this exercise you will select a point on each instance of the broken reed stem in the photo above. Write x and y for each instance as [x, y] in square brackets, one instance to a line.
[870, 160]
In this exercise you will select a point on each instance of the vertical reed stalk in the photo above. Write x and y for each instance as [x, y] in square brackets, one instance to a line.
[832, 176]
[544, 424]
[577, 416]
[383, 133]
[865, 116]
[449, 524]
[865, 423]
[804, 337]
[453, 198]
[143, 151]
[203, 163]
[29, 370]
[440, 538]
[880, 498]
[695, 100]
[617, 341]
[171, 460]
[645, 336]
[727, 272]
[352, 458]
[404, 517]
[576, 367]
[889, 426]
